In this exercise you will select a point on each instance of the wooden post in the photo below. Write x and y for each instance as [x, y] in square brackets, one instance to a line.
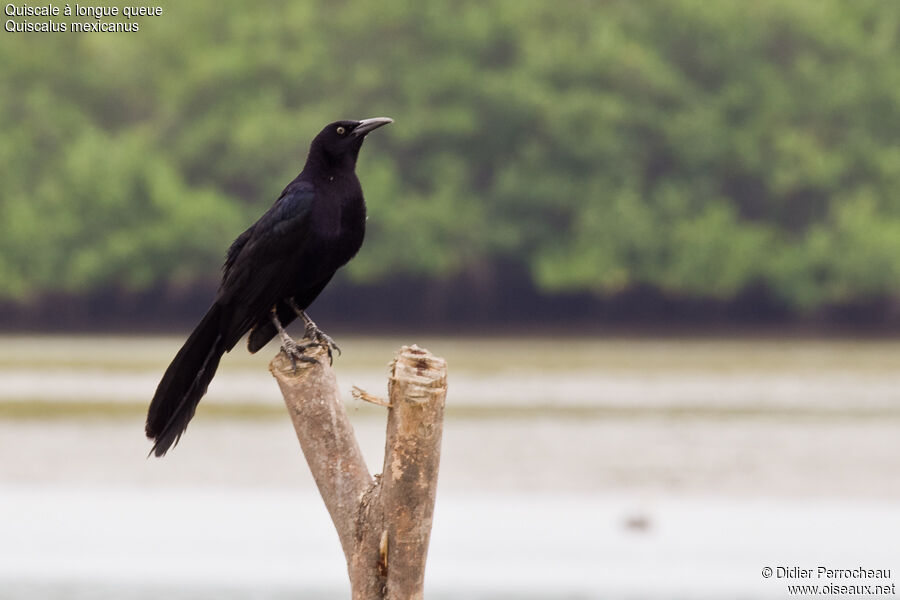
[384, 523]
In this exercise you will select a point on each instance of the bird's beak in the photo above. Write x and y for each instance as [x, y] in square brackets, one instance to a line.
[367, 125]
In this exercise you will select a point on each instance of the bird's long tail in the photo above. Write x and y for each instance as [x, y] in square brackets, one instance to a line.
[185, 382]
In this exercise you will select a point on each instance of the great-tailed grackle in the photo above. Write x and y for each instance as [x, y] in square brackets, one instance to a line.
[272, 272]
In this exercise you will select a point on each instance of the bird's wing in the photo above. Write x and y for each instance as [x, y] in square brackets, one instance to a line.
[259, 267]
[234, 250]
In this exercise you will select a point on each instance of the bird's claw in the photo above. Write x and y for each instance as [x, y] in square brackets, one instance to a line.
[294, 352]
[317, 337]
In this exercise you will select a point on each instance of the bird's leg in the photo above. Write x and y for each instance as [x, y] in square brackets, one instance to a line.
[289, 346]
[312, 332]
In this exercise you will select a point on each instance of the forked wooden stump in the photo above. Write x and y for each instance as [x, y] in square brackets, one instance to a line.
[384, 523]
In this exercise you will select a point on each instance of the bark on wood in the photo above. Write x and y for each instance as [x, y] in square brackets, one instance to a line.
[384, 523]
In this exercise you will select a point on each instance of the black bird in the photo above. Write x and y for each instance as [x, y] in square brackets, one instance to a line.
[272, 273]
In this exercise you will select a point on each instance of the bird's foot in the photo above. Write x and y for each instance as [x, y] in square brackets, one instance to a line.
[317, 337]
[311, 332]
[294, 352]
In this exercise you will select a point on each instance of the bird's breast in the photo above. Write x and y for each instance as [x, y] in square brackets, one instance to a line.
[339, 228]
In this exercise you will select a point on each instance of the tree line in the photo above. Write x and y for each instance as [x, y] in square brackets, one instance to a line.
[695, 148]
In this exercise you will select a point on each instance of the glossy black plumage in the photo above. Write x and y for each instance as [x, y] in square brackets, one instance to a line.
[316, 226]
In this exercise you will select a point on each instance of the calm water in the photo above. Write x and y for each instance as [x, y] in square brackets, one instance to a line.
[583, 469]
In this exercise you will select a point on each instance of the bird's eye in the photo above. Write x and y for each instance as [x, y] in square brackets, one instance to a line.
[341, 130]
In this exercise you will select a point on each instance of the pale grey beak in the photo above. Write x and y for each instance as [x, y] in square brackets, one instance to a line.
[367, 125]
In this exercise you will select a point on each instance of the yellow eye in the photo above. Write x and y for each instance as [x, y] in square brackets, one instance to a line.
[341, 131]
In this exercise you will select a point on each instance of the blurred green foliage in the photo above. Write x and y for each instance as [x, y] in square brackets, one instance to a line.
[695, 147]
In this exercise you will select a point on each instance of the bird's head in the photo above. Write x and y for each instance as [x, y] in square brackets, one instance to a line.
[338, 144]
